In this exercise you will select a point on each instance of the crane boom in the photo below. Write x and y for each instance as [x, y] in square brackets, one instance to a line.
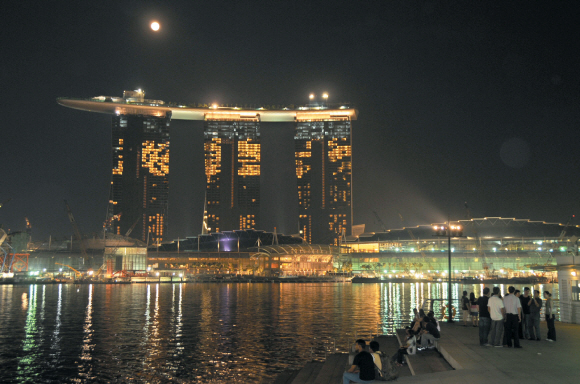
[132, 227]
[77, 273]
[413, 237]
[380, 221]
[77, 232]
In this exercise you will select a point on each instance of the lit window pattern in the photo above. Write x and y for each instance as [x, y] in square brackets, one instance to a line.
[336, 224]
[139, 185]
[213, 158]
[155, 157]
[248, 222]
[155, 225]
[249, 158]
[118, 170]
[323, 158]
[232, 165]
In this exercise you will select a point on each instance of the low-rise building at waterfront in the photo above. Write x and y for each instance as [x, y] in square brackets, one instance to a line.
[490, 247]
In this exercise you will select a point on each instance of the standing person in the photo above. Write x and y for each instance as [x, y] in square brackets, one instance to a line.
[497, 313]
[363, 366]
[524, 300]
[550, 317]
[465, 307]
[484, 318]
[535, 304]
[518, 294]
[513, 310]
[474, 308]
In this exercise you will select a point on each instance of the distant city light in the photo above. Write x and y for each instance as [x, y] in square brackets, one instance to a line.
[155, 26]
[312, 96]
[325, 95]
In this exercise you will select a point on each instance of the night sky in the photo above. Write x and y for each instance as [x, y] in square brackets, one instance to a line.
[459, 101]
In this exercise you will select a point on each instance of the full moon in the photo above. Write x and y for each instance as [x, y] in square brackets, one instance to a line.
[155, 26]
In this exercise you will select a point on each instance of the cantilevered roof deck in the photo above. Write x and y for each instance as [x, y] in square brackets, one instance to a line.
[182, 112]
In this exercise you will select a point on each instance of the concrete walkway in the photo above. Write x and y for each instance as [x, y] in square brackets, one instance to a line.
[536, 362]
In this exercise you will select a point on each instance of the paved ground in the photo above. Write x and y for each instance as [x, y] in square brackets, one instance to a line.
[536, 362]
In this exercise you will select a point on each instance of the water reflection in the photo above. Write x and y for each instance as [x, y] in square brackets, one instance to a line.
[85, 367]
[27, 364]
[55, 338]
[218, 333]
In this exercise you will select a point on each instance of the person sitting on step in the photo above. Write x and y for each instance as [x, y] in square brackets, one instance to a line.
[363, 366]
[429, 332]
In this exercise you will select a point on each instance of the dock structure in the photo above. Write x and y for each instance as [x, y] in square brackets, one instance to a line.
[458, 357]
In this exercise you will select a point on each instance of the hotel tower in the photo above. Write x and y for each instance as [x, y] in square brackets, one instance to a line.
[324, 173]
[232, 171]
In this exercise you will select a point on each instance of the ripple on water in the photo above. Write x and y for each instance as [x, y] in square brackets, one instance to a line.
[204, 333]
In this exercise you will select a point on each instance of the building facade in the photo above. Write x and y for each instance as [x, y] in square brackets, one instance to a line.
[140, 185]
[323, 155]
[140, 176]
[232, 170]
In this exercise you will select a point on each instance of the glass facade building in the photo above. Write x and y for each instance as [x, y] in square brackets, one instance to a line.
[140, 176]
[323, 158]
[232, 170]
[493, 246]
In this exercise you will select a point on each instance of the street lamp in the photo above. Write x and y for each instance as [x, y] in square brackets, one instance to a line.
[449, 231]
[311, 96]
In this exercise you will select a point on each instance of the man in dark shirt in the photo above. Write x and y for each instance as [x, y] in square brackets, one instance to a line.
[526, 319]
[429, 332]
[363, 366]
[535, 304]
[484, 319]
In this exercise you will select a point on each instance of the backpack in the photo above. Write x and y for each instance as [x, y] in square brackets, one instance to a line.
[388, 372]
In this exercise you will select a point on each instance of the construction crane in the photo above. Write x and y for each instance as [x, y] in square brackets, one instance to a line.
[413, 237]
[78, 275]
[77, 232]
[478, 246]
[380, 221]
[6, 252]
[560, 238]
[132, 227]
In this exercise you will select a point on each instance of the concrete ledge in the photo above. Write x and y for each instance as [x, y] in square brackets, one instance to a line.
[406, 356]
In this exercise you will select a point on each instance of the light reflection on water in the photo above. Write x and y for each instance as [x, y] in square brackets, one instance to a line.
[206, 333]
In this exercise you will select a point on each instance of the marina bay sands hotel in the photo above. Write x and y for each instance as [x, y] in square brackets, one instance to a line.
[141, 161]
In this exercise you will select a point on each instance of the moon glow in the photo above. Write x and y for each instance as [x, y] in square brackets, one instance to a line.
[155, 26]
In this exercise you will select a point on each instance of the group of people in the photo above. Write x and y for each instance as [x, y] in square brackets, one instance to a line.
[502, 321]
[514, 316]
[366, 365]
[423, 330]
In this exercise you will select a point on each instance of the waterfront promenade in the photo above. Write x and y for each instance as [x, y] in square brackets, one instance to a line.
[536, 362]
